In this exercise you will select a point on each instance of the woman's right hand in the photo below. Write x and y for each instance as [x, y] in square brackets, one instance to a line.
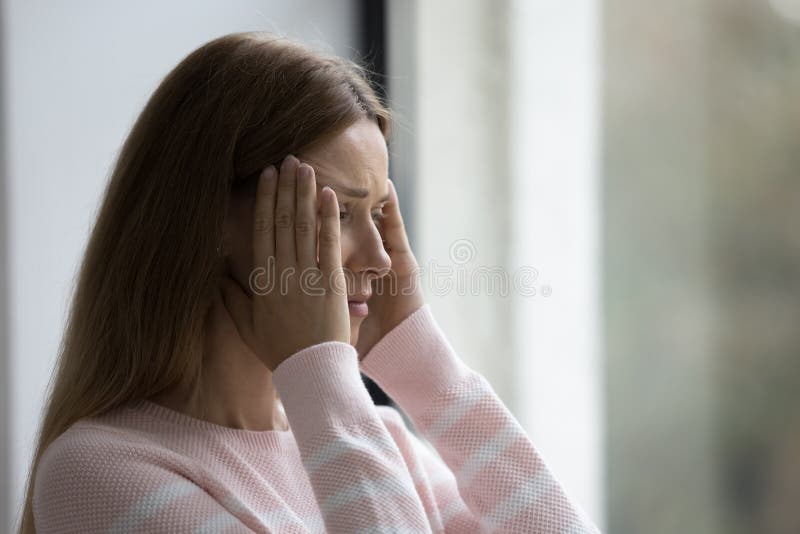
[298, 300]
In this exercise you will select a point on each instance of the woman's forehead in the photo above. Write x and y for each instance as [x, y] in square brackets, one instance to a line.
[356, 158]
[365, 185]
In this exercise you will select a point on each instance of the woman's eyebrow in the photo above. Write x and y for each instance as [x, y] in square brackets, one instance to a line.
[357, 192]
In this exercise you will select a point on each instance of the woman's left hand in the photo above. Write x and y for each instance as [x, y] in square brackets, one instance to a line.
[397, 294]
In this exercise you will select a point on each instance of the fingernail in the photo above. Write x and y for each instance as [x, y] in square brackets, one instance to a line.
[268, 175]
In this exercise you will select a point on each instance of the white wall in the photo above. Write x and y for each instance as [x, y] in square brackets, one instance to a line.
[555, 158]
[75, 75]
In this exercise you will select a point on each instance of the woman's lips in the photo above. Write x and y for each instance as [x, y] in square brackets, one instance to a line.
[358, 308]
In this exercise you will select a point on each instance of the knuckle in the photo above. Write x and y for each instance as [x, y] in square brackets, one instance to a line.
[284, 219]
[263, 224]
[304, 227]
[328, 238]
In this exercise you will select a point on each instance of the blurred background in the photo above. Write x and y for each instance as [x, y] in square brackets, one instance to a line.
[610, 187]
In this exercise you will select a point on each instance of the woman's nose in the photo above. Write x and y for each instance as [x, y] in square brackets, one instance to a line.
[366, 254]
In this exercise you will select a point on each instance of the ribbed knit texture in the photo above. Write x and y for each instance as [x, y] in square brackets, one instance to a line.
[344, 466]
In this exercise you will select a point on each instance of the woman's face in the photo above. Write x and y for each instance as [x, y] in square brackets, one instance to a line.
[355, 164]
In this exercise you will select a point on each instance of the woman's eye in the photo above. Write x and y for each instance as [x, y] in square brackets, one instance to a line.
[376, 217]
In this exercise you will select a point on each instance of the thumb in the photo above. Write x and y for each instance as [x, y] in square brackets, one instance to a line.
[393, 226]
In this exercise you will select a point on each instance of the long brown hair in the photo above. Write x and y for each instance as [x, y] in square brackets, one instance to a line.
[229, 109]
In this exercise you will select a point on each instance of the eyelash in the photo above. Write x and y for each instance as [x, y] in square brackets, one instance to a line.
[376, 217]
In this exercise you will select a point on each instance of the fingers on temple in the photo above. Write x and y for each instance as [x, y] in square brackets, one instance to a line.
[285, 254]
[263, 216]
[393, 226]
[330, 254]
[306, 218]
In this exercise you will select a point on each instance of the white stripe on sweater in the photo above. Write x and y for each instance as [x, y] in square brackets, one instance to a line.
[487, 454]
[150, 504]
[341, 444]
[524, 497]
[381, 489]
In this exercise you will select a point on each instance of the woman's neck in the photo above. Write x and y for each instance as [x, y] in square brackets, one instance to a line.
[236, 391]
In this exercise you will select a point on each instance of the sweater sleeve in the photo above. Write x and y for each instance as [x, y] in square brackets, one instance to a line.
[356, 470]
[92, 480]
[497, 477]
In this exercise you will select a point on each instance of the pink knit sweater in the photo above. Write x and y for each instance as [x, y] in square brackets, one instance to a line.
[345, 465]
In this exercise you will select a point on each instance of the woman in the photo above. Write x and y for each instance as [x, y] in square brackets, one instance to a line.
[232, 289]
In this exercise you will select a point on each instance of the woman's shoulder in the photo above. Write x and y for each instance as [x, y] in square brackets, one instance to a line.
[116, 427]
[92, 435]
[110, 440]
[99, 467]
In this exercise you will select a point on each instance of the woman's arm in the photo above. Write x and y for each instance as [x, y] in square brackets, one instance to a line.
[356, 470]
[504, 483]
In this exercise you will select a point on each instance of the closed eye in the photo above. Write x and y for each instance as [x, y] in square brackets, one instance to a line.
[345, 213]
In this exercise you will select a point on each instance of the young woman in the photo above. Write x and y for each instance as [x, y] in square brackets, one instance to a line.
[232, 289]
